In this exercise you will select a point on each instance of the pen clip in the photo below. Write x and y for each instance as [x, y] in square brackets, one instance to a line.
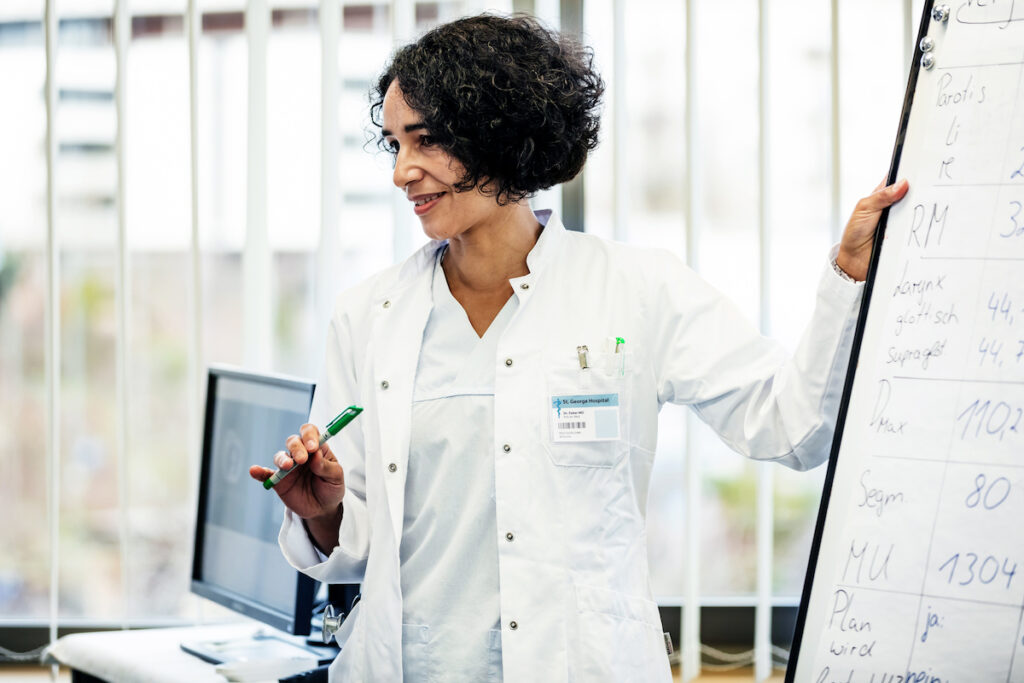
[581, 353]
[346, 416]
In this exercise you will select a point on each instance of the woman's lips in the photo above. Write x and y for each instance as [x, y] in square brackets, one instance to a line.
[423, 208]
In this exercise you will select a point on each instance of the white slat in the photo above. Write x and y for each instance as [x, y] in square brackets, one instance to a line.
[257, 268]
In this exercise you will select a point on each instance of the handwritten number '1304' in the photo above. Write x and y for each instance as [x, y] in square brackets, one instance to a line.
[986, 573]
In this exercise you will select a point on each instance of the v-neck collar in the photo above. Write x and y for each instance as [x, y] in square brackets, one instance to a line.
[448, 305]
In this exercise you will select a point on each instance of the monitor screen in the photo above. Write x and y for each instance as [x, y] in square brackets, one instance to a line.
[237, 562]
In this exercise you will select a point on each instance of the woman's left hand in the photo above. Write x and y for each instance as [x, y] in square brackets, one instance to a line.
[859, 235]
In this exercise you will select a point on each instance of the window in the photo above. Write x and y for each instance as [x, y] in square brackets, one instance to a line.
[288, 214]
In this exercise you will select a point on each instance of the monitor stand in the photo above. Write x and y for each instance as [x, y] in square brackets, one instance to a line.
[261, 645]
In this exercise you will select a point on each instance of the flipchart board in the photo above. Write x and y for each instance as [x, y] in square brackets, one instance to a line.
[917, 565]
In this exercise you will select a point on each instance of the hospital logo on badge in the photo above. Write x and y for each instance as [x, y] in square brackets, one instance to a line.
[588, 417]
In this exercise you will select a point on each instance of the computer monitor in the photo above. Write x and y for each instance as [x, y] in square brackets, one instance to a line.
[237, 561]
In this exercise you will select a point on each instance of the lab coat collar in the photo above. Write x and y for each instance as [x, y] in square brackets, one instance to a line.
[541, 255]
[547, 244]
[420, 261]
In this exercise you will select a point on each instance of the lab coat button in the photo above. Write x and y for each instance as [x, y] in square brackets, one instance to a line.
[384, 384]
[387, 304]
[525, 285]
[513, 625]
[392, 467]
[508, 362]
[510, 537]
[506, 448]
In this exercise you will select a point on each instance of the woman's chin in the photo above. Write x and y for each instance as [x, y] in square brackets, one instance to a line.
[433, 229]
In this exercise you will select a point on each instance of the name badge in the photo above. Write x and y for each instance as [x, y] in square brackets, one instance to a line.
[590, 417]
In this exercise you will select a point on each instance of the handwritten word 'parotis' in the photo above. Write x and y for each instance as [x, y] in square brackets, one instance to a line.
[954, 91]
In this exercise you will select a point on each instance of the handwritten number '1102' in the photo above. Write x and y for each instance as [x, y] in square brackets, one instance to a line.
[996, 419]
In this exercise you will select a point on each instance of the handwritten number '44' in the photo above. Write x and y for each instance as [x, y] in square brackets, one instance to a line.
[1001, 305]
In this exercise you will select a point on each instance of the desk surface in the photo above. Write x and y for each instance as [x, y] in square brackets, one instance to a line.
[145, 655]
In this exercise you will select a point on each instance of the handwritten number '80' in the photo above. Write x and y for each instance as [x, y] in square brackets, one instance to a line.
[994, 494]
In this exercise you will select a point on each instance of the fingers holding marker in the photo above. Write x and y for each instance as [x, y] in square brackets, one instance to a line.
[326, 467]
[284, 460]
[310, 436]
[260, 473]
[297, 449]
[328, 454]
[323, 462]
[299, 453]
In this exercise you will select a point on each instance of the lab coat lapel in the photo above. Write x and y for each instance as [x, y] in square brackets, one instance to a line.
[402, 315]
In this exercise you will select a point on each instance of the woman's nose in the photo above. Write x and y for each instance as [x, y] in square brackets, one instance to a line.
[406, 169]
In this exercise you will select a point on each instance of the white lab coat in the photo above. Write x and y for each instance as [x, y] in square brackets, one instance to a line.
[576, 601]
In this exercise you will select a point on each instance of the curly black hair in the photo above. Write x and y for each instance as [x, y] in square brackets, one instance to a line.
[516, 103]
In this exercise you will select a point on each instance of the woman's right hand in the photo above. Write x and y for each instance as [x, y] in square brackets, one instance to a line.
[313, 491]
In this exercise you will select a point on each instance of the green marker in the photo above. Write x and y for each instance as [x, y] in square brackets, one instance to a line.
[335, 426]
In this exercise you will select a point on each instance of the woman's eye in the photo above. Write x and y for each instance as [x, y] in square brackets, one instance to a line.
[392, 146]
[427, 141]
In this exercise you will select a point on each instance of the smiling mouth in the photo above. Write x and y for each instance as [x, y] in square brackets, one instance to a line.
[426, 203]
[428, 198]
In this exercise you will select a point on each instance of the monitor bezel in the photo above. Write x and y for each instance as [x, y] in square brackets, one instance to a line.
[298, 622]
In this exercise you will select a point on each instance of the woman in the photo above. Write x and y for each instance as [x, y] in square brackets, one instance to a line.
[492, 498]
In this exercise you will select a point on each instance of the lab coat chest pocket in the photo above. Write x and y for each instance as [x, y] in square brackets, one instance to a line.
[588, 409]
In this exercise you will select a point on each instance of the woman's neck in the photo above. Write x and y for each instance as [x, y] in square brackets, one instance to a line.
[484, 258]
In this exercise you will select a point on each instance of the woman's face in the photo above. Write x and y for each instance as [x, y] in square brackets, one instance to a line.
[426, 173]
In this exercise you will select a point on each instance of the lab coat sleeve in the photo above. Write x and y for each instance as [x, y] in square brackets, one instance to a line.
[762, 403]
[337, 389]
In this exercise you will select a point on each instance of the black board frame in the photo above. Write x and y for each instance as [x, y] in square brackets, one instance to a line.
[826, 493]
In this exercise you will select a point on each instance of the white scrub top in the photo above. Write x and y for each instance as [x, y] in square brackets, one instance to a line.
[450, 627]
